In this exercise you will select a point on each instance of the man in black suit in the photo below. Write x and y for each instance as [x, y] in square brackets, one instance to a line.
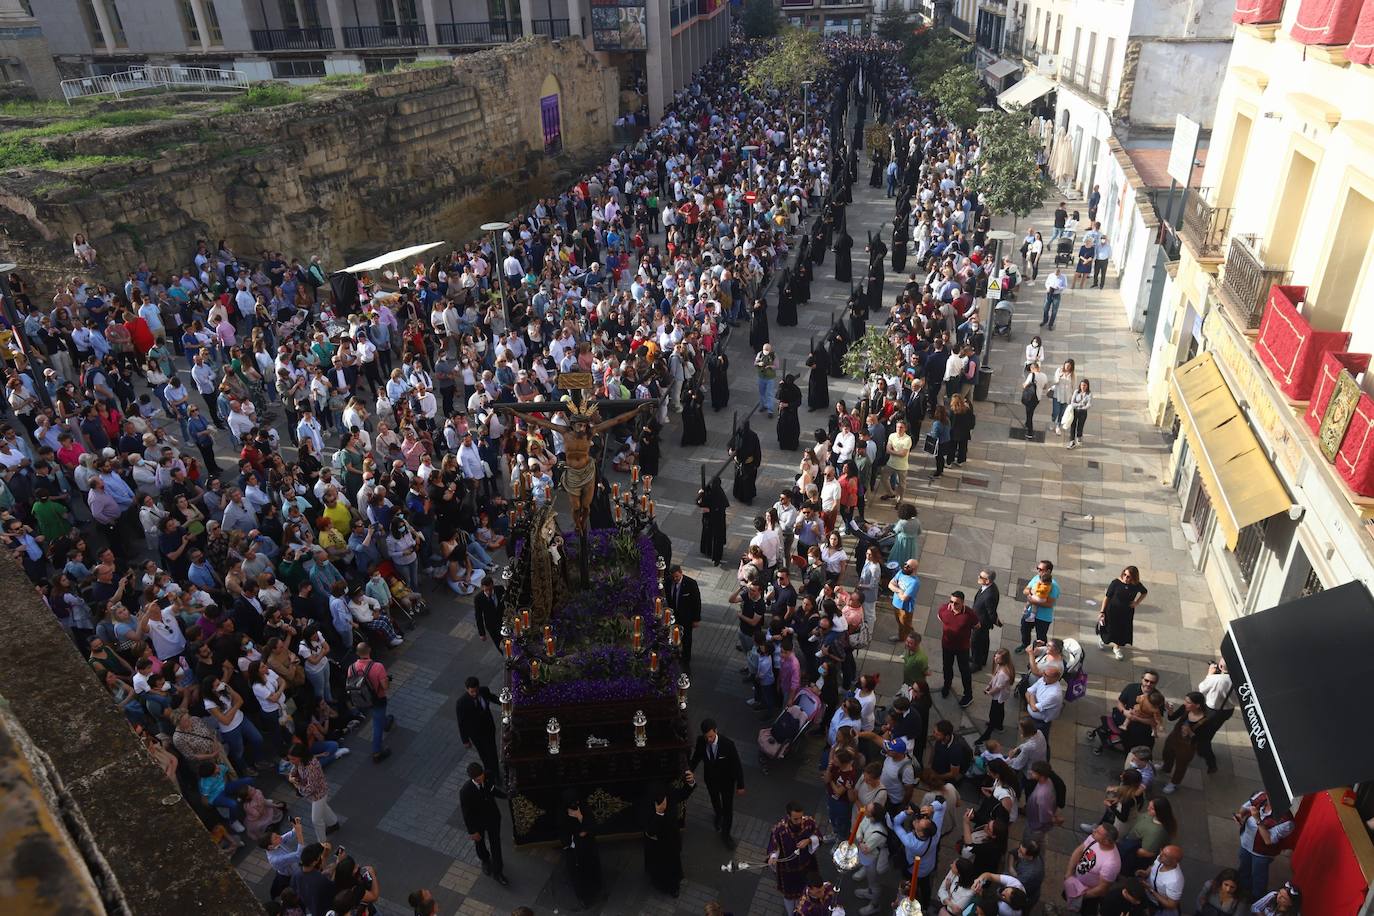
[477, 799]
[487, 608]
[985, 609]
[684, 597]
[724, 775]
[476, 726]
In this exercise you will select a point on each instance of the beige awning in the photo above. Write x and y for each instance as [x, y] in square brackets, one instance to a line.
[391, 257]
[1235, 470]
[1026, 91]
[1000, 69]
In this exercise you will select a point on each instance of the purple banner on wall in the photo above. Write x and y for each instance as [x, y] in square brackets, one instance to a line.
[553, 125]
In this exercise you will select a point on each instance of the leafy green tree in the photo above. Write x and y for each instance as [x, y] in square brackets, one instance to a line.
[1007, 176]
[760, 19]
[931, 54]
[874, 352]
[796, 58]
[958, 95]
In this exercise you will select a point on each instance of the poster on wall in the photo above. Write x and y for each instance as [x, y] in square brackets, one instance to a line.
[620, 25]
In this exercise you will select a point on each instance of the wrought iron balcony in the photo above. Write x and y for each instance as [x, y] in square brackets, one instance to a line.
[1080, 78]
[553, 28]
[960, 27]
[477, 33]
[292, 39]
[1204, 226]
[404, 35]
[1168, 239]
[1246, 280]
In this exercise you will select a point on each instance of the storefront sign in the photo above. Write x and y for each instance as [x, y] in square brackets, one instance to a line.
[1266, 410]
[1254, 721]
[620, 25]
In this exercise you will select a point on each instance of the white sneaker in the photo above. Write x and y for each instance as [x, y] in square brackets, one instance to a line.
[1072, 443]
[1170, 789]
[1116, 652]
[1058, 430]
[397, 641]
[342, 752]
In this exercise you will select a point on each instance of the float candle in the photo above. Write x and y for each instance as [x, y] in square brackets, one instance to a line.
[855, 832]
[525, 618]
[548, 646]
[677, 637]
[653, 663]
[911, 889]
[508, 646]
[615, 490]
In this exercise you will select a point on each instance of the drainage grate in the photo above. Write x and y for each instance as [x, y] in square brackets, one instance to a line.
[1095, 465]
[975, 482]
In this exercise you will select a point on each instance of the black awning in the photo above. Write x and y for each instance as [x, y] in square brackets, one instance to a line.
[1301, 672]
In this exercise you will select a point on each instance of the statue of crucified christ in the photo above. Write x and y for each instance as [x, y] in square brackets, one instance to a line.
[579, 474]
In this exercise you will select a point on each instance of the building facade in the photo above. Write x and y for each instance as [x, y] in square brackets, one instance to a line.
[656, 46]
[1259, 370]
[835, 17]
[1109, 78]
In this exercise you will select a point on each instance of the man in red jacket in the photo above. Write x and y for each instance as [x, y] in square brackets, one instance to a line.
[957, 622]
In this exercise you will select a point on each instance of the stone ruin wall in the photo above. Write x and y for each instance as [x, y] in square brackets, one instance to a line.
[418, 156]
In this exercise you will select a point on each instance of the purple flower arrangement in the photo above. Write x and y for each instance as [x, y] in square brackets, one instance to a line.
[594, 661]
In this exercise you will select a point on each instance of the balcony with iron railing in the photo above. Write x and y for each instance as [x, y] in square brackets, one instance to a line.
[1080, 78]
[552, 28]
[478, 33]
[402, 35]
[960, 27]
[1246, 279]
[1204, 226]
[785, 3]
[292, 39]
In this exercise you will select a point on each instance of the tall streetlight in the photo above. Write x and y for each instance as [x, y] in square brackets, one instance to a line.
[997, 237]
[493, 228]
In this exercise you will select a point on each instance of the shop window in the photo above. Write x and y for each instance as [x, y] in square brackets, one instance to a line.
[297, 69]
[1249, 544]
[1312, 584]
[1200, 514]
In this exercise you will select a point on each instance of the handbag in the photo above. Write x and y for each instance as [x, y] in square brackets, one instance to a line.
[1029, 397]
[1077, 686]
[929, 444]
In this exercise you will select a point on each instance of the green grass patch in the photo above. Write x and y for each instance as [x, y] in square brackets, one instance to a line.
[345, 81]
[422, 65]
[267, 95]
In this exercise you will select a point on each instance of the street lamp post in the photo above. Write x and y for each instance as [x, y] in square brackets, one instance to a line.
[997, 237]
[493, 228]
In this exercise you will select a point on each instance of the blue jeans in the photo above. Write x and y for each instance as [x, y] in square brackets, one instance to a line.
[226, 798]
[1051, 308]
[379, 718]
[1056, 410]
[766, 388]
[479, 556]
[330, 750]
[1254, 874]
[234, 741]
[840, 811]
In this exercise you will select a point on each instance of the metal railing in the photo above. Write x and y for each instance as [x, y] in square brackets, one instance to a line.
[1246, 279]
[784, 3]
[293, 39]
[1204, 226]
[477, 33]
[142, 79]
[553, 28]
[1012, 39]
[960, 27]
[1169, 240]
[404, 35]
[1085, 81]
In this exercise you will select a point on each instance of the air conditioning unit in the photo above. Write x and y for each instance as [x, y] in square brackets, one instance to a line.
[1045, 65]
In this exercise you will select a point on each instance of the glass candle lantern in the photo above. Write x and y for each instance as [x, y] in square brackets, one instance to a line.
[648, 483]
[641, 722]
[683, 682]
[548, 646]
[505, 697]
[552, 729]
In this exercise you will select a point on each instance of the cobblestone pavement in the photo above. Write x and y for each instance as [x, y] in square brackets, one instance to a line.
[1090, 511]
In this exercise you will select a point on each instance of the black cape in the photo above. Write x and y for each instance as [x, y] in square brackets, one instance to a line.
[748, 455]
[789, 427]
[818, 384]
[758, 325]
[718, 367]
[715, 502]
[844, 261]
[693, 417]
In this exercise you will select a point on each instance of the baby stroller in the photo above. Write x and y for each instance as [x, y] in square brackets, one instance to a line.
[1001, 320]
[791, 724]
[1075, 678]
[1063, 251]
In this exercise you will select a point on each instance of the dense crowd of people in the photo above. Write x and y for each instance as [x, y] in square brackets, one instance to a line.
[241, 616]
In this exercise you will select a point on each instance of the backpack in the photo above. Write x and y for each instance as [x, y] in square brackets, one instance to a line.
[359, 688]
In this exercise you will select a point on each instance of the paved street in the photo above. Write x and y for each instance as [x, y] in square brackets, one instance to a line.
[1090, 510]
